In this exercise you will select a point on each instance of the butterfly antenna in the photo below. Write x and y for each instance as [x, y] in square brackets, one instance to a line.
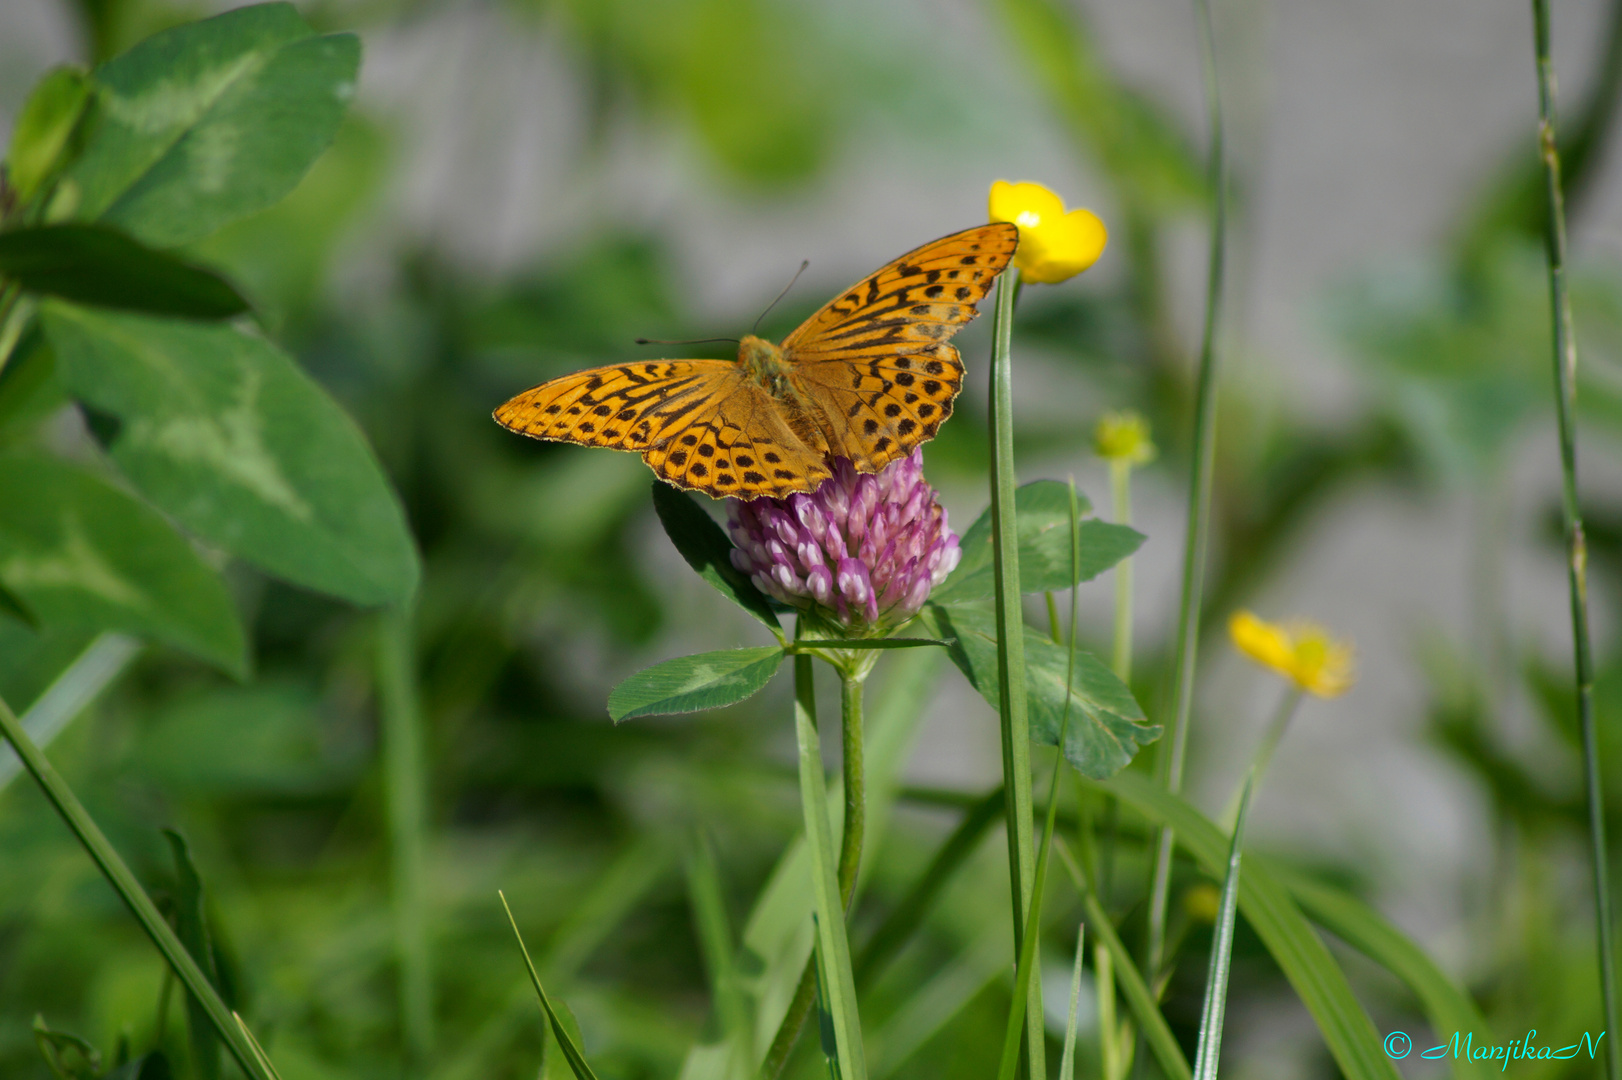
[780, 295]
[695, 341]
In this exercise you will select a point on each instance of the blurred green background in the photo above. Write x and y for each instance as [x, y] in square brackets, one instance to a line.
[522, 188]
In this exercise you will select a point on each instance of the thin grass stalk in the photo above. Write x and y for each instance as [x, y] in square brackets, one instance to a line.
[572, 1053]
[1120, 482]
[1565, 380]
[1011, 691]
[1170, 760]
[1216, 981]
[851, 685]
[1157, 1034]
[1067, 1060]
[1027, 974]
[70, 693]
[405, 785]
[118, 874]
[1282, 715]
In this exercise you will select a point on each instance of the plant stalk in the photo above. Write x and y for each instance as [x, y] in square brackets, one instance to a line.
[1169, 761]
[851, 683]
[118, 874]
[1120, 482]
[1282, 715]
[1565, 379]
[1011, 692]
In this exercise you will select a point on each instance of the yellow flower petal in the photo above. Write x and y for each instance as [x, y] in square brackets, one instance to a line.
[1026, 205]
[1302, 652]
[1053, 245]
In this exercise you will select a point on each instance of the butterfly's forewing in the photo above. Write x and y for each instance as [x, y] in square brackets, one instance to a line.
[699, 424]
[876, 359]
[626, 406]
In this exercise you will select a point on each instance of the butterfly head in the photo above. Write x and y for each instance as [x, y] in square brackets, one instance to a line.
[763, 360]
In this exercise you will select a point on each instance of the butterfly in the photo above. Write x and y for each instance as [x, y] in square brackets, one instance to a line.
[868, 377]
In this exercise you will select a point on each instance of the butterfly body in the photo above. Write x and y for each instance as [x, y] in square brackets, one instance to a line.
[868, 377]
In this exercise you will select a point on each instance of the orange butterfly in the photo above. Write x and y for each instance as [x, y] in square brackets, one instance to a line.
[868, 377]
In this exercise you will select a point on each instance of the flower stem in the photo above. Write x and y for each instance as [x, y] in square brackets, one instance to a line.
[1120, 482]
[1170, 759]
[1282, 715]
[1565, 379]
[118, 874]
[1016, 735]
[851, 683]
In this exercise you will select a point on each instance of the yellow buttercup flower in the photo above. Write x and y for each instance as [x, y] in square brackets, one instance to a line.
[1053, 245]
[1302, 652]
[1123, 436]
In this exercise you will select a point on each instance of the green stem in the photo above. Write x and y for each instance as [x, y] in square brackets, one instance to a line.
[850, 858]
[404, 783]
[1170, 760]
[129, 890]
[1282, 715]
[831, 952]
[1120, 482]
[1011, 697]
[1565, 379]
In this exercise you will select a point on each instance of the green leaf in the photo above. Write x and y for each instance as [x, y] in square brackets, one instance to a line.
[1109, 727]
[1042, 512]
[192, 929]
[211, 121]
[690, 683]
[707, 550]
[94, 264]
[81, 553]
[226, 434]
[43, 130]
[1268, 908]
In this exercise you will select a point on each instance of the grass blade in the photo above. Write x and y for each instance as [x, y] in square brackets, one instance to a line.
[1162, 1043]
[118, 874]
[103, 661]
[571, 1050]
[1268, 908]
[1026, 976]
[1216, 980]
[1067, 1060]
[1169, 762]
[193, 930]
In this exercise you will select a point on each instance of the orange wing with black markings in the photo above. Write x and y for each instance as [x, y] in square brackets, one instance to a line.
[868, 377]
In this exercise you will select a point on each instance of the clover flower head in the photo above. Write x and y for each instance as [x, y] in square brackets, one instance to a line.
[1123, 436]
[861, 552]
[1302, 652]
[1054, 246]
